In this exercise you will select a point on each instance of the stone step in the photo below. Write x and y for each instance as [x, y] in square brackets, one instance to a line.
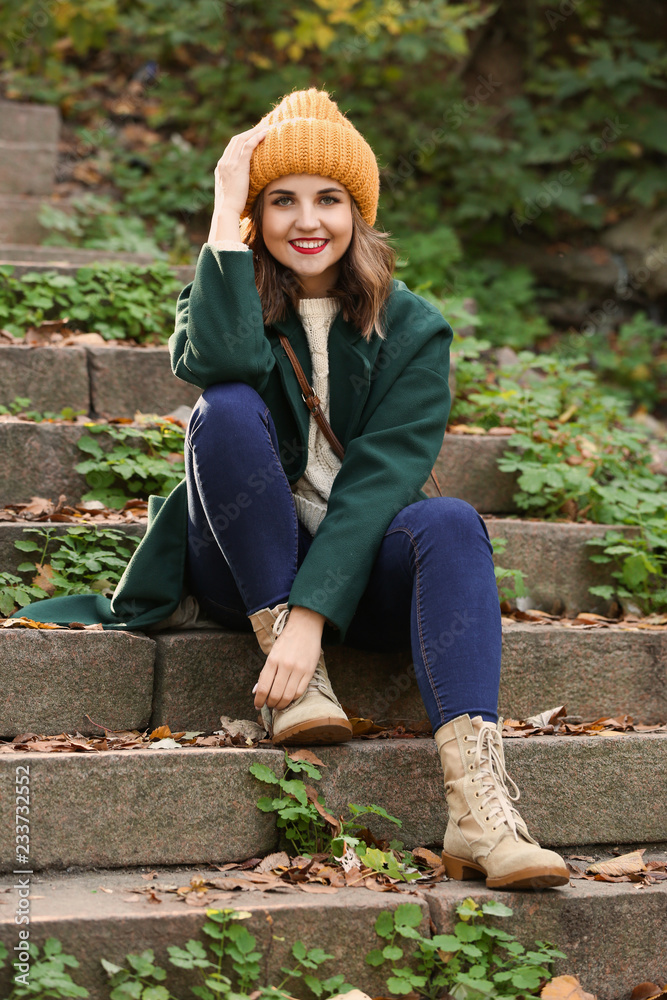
[53, 682]
[67, 260]
[22, 121]
[18, 218]
[76, 681]
[28, 148]
[553, 556]
[27, 168]
[199, 676]
[197, 805]
[102, 381]
[607, 931]
[40, 459]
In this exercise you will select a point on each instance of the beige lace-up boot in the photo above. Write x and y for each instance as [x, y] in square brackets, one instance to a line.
[316, 716]
[486, 836]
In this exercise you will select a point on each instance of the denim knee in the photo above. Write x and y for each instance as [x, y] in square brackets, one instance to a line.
[443, 516]
[225, 405]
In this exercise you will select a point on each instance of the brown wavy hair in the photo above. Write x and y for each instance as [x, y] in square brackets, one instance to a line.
[364, 280]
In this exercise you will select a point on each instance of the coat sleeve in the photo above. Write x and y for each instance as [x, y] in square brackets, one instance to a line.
[382, 472]
[219, 330]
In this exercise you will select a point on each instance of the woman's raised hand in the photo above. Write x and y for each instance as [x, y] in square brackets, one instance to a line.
[232, 172]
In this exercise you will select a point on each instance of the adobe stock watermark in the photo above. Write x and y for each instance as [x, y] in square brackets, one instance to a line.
[390, 351]
[454, 118]
[581, 157]
[566, 9]
[39, 17]
[21, 961]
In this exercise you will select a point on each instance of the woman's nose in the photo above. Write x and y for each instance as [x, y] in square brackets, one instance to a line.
[308, 218]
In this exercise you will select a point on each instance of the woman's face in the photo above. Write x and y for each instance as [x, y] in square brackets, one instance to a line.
[307, 226]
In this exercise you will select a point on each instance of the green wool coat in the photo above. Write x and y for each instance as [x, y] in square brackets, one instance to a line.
[389, 404]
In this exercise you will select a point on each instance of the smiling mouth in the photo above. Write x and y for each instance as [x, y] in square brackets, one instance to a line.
[308, 246]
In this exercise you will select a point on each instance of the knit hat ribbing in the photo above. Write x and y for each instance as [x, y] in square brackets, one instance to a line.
[309, 135]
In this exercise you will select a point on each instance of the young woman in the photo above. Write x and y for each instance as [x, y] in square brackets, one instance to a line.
[282, 531]
[304, 531]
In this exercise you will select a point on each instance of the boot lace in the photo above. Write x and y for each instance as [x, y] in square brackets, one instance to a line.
[319, 682]
[494, 794]
[280, 622]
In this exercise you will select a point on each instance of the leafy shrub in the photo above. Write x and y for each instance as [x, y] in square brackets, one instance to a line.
[85, 558]
[474, 962]
[115, 299]
[141, 461]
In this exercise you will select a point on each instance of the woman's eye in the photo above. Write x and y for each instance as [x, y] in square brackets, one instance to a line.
[330, 198]
[282, 199]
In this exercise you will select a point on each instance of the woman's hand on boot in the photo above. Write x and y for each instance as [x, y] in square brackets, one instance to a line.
[291, 663]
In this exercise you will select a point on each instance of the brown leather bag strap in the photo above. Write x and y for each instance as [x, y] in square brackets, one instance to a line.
[313, 403]
[311, 400]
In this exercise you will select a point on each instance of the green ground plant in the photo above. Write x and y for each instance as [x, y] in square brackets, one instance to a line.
[577, 454]
[116, 299]
[21, 407]
[49, 975]
[86, 557]
[307, 830]
[141, 461]
[227, 964]
[98, 222]
[476, 961]
[511, 582]
[15, 592]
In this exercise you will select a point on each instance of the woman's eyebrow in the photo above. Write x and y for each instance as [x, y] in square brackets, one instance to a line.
[292, 193]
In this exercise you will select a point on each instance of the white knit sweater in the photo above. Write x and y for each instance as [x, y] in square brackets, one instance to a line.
[311, 491]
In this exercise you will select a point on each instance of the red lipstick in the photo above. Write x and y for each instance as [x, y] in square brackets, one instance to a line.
[309, 249]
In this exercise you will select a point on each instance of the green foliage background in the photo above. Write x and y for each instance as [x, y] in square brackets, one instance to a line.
[460, 154]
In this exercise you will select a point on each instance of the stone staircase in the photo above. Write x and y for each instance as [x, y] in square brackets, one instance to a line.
[101, 820]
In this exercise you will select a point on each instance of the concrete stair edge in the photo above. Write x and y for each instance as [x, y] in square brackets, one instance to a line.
[607, 931]
[80, 681]
[197, 805]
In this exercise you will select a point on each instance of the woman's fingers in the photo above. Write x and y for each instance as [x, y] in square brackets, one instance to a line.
[232, 171]
[279, 685]
[264, 684]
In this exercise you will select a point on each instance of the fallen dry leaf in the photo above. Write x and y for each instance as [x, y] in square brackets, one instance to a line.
[316, 887]
[428, 857]
[648, 991]
[565, 988]
[547, 718]
[278, 860]
[27, 623]
[626, 864]
[306, 755]
[244, 728]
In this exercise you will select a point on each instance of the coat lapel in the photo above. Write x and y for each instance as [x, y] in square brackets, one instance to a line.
[351, 361]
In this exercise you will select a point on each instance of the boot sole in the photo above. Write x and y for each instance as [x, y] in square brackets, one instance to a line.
[526, 878]
[316, 731]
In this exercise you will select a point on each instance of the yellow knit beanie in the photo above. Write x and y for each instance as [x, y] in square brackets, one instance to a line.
[309, 135]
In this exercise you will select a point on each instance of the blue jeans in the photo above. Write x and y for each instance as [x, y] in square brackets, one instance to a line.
[432, 587]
